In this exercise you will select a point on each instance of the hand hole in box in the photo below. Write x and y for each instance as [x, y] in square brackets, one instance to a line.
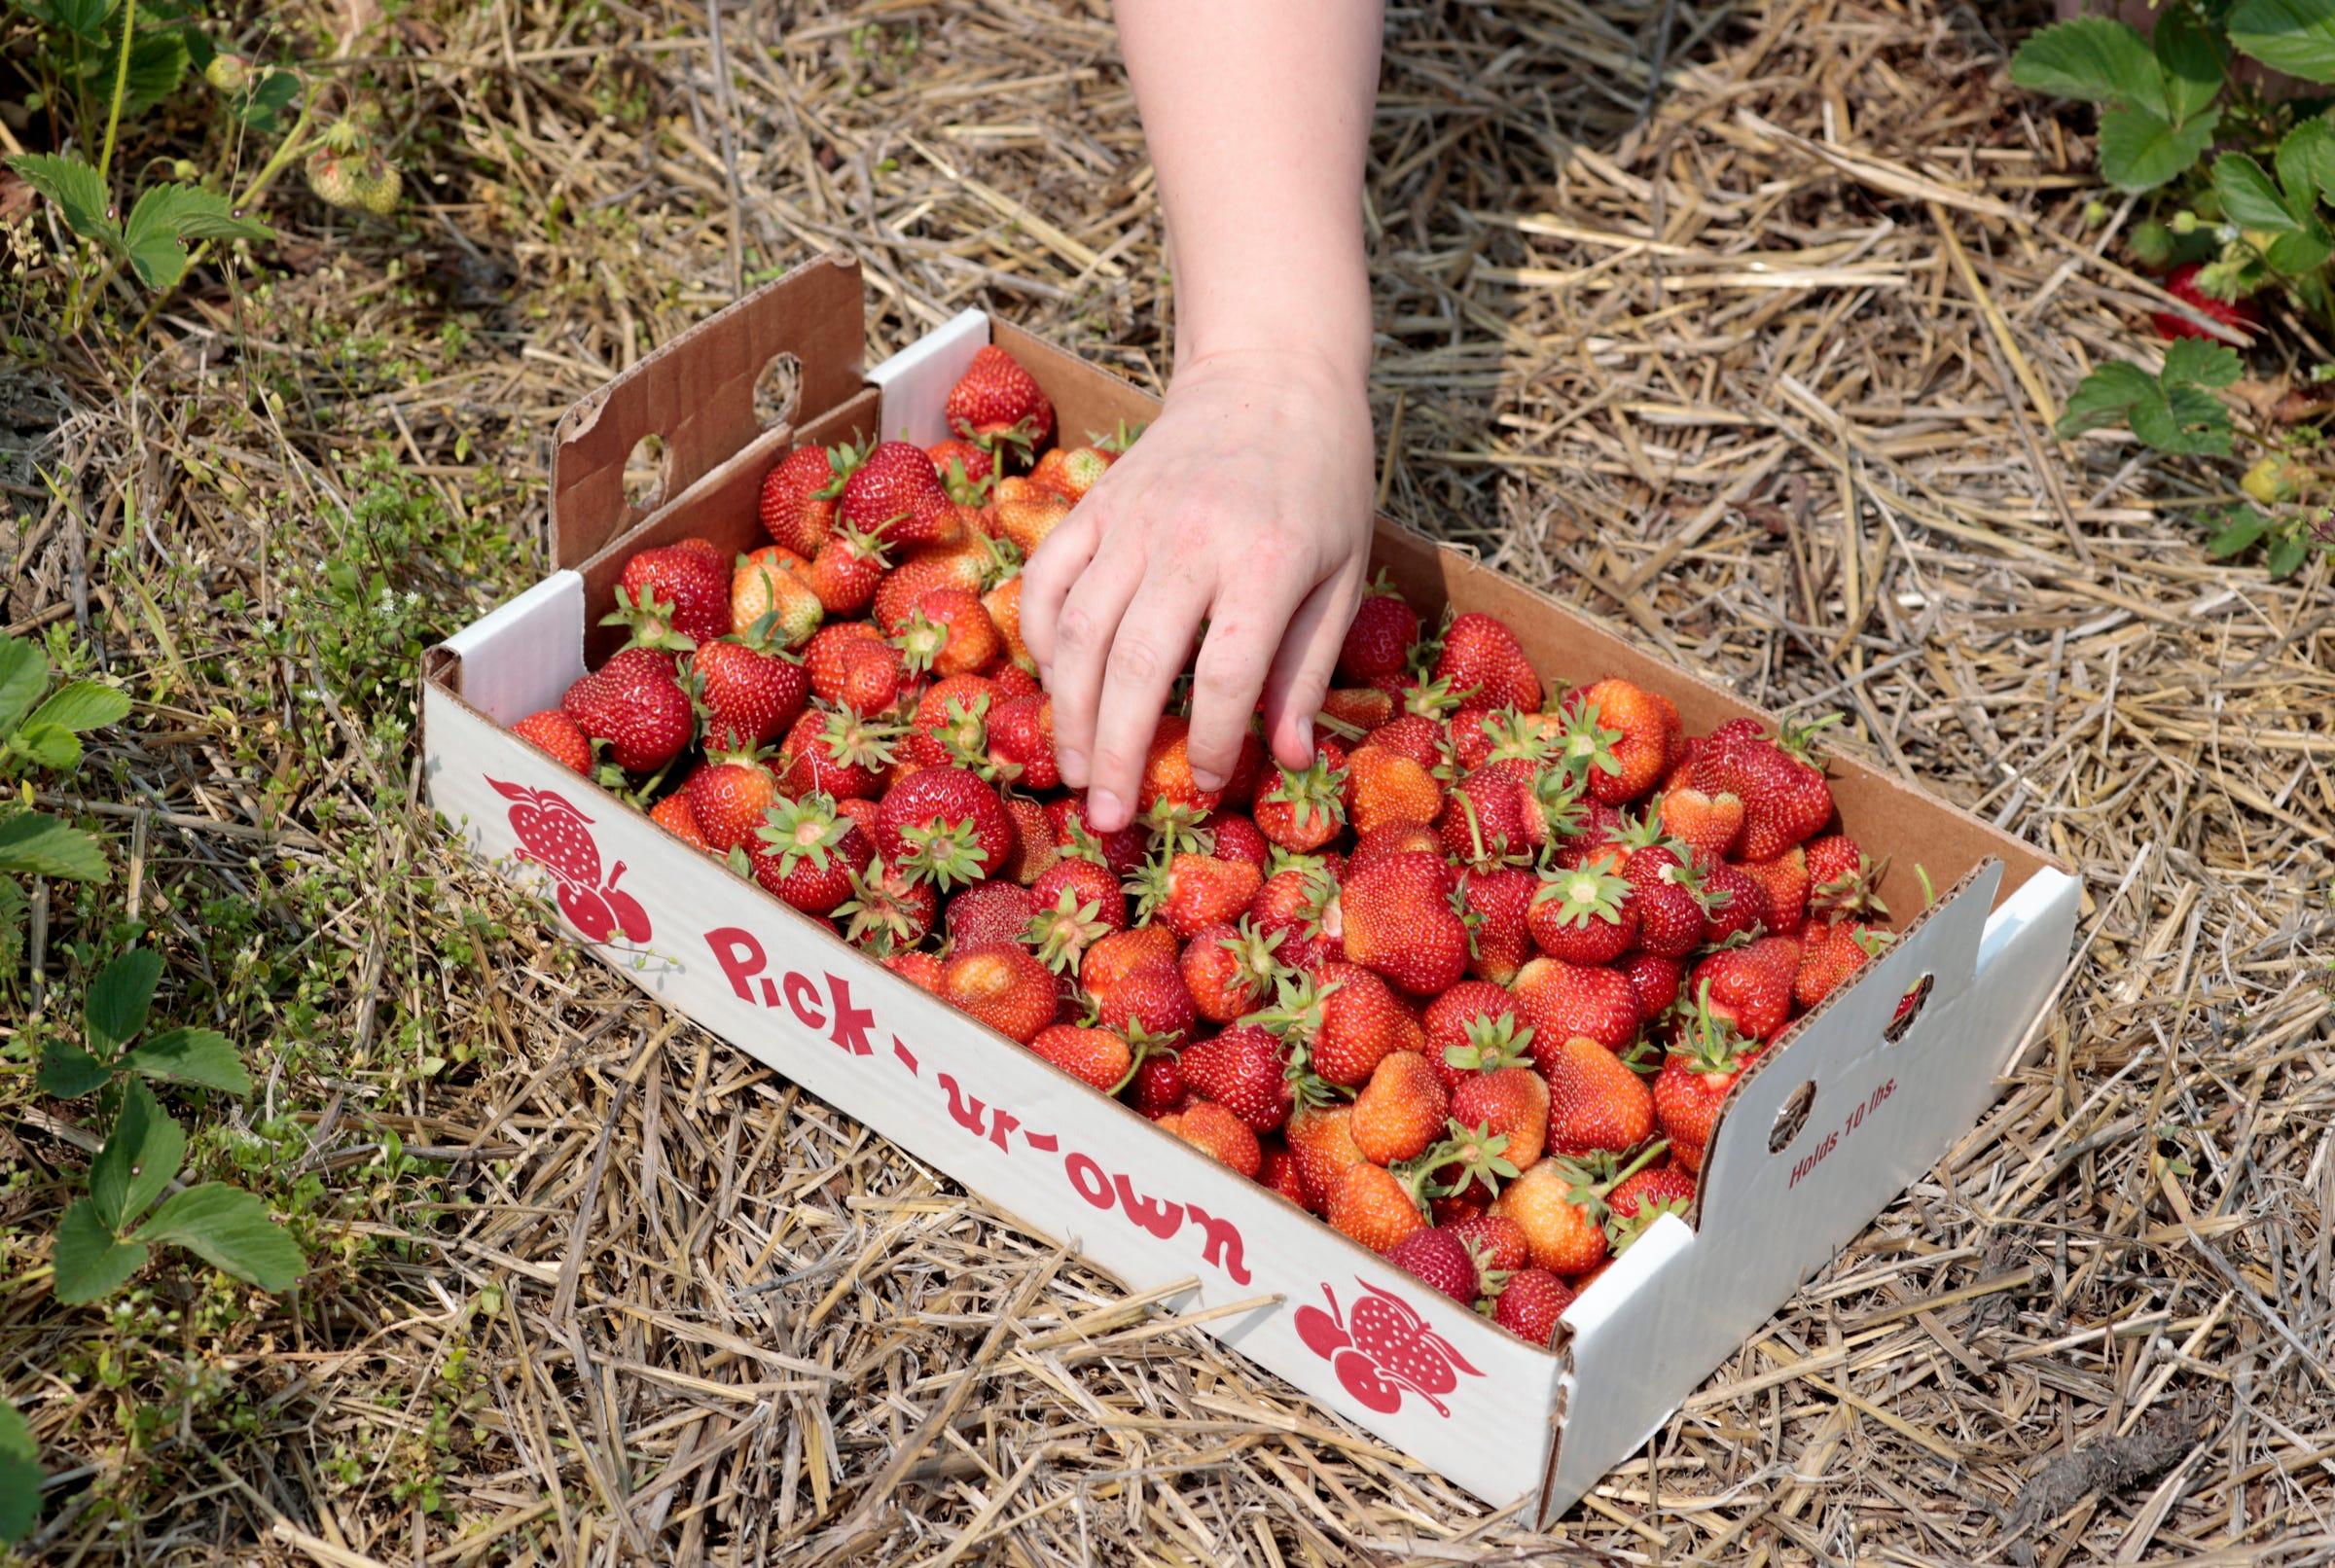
[1791, 1117]
[777, 390]
[1909, 1007]
[645, 469]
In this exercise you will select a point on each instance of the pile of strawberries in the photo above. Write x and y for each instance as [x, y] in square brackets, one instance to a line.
[1472, 986]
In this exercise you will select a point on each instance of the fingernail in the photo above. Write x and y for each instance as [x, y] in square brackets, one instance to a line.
[1102, 811]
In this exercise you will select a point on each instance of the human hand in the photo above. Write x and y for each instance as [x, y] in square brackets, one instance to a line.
[1246, 505]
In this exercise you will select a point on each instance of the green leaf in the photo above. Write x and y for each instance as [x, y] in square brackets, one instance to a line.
[2139, 150]
[2094, 58]
[2241, 527]
[157, 63]
[203, 1058]
[19, 1475]
[23, 671]
[88, 1261]
[141, 1155]
[46, 745]
[2188, 419]
[2300, 252]
[69, 1072]
[2249, 197]
[2190, 57]
[229, 1228]
[12, 926]
[85, 19]
[263, 107]
[166, 217]
[2287, 553]
[2171, 412]
[73, 185]
[119, 999]
[2306, 160]
[84, 705]
[2207, 364]
[2293, 36]
[35, 845]
[2106, 397]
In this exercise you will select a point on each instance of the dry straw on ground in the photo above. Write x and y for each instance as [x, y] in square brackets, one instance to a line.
[1743, 327]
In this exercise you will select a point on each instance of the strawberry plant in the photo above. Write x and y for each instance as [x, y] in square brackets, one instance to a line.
[44, 733]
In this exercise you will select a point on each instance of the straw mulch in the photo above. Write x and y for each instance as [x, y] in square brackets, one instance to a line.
[1741, 326]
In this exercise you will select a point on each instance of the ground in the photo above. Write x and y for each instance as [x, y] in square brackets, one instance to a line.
[1741, 326]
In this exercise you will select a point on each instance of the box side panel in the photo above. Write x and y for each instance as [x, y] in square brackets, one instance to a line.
[696, 395]
[521, 656]
[1881, 1115]
[1357, 1335]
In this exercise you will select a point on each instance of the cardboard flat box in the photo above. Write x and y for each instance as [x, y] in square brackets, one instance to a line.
[1834, 1121]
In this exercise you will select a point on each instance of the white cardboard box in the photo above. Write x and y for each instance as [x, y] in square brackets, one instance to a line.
[1503, 1418]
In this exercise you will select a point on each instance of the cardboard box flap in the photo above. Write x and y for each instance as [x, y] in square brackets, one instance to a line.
[696, 395]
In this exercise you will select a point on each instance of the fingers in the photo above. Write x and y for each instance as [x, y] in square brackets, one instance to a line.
[1147, 653]
[1084, 632]
[1048, 577]
[1245, 628]
[1301, 670]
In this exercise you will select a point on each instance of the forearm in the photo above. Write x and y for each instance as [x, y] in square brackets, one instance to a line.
[1257, 113]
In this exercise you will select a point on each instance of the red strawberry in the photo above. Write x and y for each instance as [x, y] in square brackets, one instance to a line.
[1561, 1000]
[1232, 837]
[1498, 910]
[1345, 1019]
[1693, 1082]
[1530, 1303]
[1509, 1102]
[1244, 1071]
[635, 705]
[965, 468]
[1595, 1102]
[1167, 771]
[1400, 922]
[1494, 1241]
[1230, 970]
[895, 496]
[1669, 900]
[887, 909]
[872, 678]
[1400, 1109]
[2182, 283]
[1111, 958]
[1072, 471]
[1095, 1057]
[1648, 1195]
[1401, 836]
[1832, 951]
[1586, 915]
[951, 724]
[1359, 707]
[1303, 810]
[807, 855]
[1473, 1028]
[1321, 1144]
[1119, 851]
[1785, 881]
[1648, 724]
[1732, 904]
[672, 597]
[1021, 742]
[1707, 823]
[996, 402]
[991, 911]
[1654, 978]
[1149, 996]
[729, 797]
[1439, 1259]
[836, 752]
[1496, 816]
[846, 572]
[1002, 987]
[1749, 988]
[950, 633]
[1300, 904]
[1191, 891]
[674, 815]
[828, 653]
[1379, 642]
[1278, 1169]
[1065, 924]
[797, 496]
[1785, 798]
[1210, 1128]
[919, 969]
[559, 735]
[947, 825]
[750, 695]
[965, 564]
[1841, 882]
[1424, 741]
[1481, 656]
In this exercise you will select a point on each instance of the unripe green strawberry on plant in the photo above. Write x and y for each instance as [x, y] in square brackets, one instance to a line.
[636, 707]
[999, 404]
[809, 854]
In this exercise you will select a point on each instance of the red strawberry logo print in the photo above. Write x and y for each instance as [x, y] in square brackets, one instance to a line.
[551, 833]
[1382, 1348]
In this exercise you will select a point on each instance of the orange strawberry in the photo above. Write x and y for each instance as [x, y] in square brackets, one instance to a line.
[1749, 988]
[826, 656]
[1400, 922]
[1707, 823]
[1377, 1206]
[1358, 707]
[1561, 1000]
[797, 496]
[1648, 726]
[1321, 1145]
[1401, 836]
[1230, 970]
[1189, 892]
[919, 969]
[1400, 1110]
[1512, 1102]
[1585, 915]
[558, 735]
[969, 563]
[1785, 881]
[1216, 1131]
[1383, 786]
[1004, 606]
[1114, 956]
[1072, 471]
[1830, 951]
[1023, 514]
[771, 599]
[1244, 1071]
[1303, 810]
[674, 815]
[1595, 1102]
[1002, 987]
[1167, 771]
[1095, 1057]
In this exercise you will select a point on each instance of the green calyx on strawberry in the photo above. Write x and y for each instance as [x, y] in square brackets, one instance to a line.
[877, 919]
[921, 642]
[963, 731]
[1063, 934]
[1558, 791]
[1590, 1178]
[963, 489]
[855, 741]
[1177, 828]
[1142, 1046]
[1307, 1086]
[844, 460]
[1312, 795]
[1585, 744]
[1471, 1158]
[1296, 1012]
[1799, 739]
[1432, 699]
[1494, 1041]
[947, 854]
[1585, 893]
[651, 621]
[801, 829]
[1708, 1042]
[1515, 738]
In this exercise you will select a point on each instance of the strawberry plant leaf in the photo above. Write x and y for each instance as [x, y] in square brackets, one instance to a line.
[141, 1155]
[75, 186]
[2287, 553]
[2191, 59]
[2241, 528]
[157, 63]
[2248, 198]
[35, 845]
[19, 1475]
[119, 999]
[69, 1072]
[2094, 58]
[23, 671]
[2302, 252]
[2106, 397]
[202, 1058]
[2293, 36]
[166, 217]
[2140, 149]
[2196, 361]
[228, 1228]
[85, 19]
[82, 705]
[2184, 419]
[87, 1260]
[263, 107]
[46, 745]
[2306, 162]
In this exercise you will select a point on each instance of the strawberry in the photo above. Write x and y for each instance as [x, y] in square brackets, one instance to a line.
[1383, 786]
[1733, 905]
[1216, 1131]
[1481, 737]
[1841, 882]
[1642, 1199]
[829, 652]
[965, 468]
[1830, 951]
[1707, 823]
[797, 496]
[1586, 915]
[1556, 1206]
[1400, 1109]
[1376, 1207]
[1034, 853]
[1119, 852]
[1303, 810]
[1089, 884]
[872, 678]
[1400, 922]
[1095, 1057]
[672, 597]
[1230, 970]
[674, 815]
[1299, 903]
[1024, 513]
[558, 735]
[988, 913]
[895, 496]
[1495, 1243]
[1343, 1020]
[968, 564]
[1150, 994]
[1002, 987]
[886, 911]
[947, 825]
[808, 854]
[2182, 283]
[1668, 901]
[998, 404]
[1072, 471]
[1379, 641]
[1785, 882]
[1233, 836]
[919, 969]
[770, 601]
[1244, 1071]
[1655, 979]
[729, 798]
[836, 752]
[1321, 1145]
[1785, 798]
[1693, 1082]
[1167, 771]
[1112, 957]
[1440, 1260]
[1004, 606]
[1191, 891]
[635, 705]
[1358, 707]
[1595, 1102]
[847, 571]
[1062, 928]
[1473, 1027]
[1401, 836]
[1497, 908]
[1530, 1303]
[1481, 656]
[950, 633]
[1749, 988]
[1277, 1168]
[1648, 727]
[1511, 1102]
[1494, 816]
[1424, 741]
[749, 696]
[1561, 1000]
